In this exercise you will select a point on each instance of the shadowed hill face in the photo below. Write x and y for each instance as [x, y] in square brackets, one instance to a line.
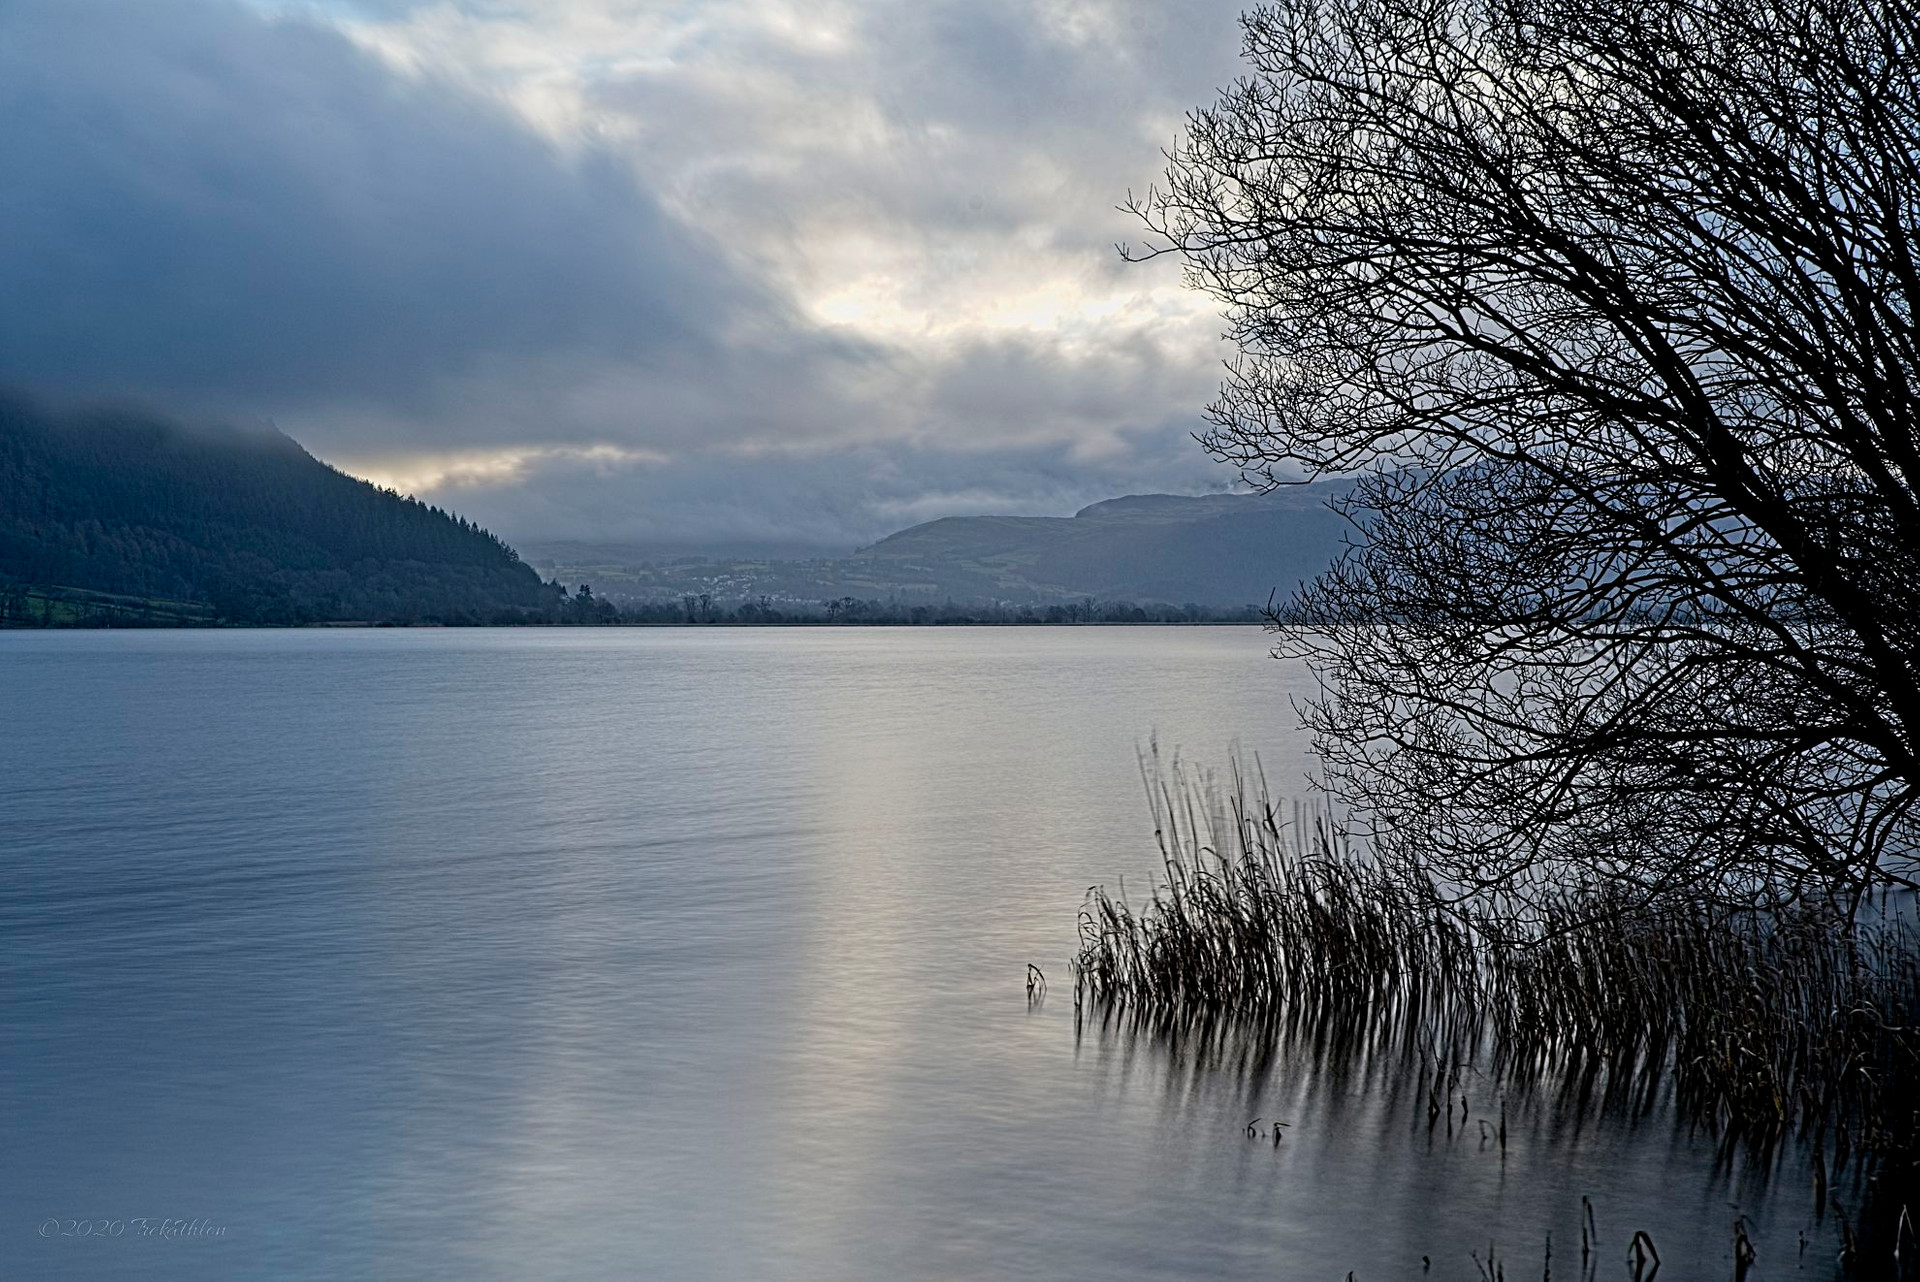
[243, 521]
[1216, 549]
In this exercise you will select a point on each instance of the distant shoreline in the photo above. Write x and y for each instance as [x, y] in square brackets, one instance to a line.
[63, 606]
[338, 625]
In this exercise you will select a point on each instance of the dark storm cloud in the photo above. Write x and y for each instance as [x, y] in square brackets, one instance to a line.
[215, 208]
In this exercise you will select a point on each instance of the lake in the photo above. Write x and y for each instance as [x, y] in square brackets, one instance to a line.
[691, 954]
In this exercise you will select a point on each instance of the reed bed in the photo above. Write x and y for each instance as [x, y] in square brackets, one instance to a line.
[1760, 1023]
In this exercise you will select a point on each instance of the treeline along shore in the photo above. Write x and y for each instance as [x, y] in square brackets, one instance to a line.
[24, 605]
[853, 611]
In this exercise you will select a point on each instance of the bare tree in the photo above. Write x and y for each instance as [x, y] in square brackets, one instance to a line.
[1611, 303]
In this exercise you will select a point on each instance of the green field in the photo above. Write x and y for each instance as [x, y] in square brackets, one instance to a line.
[65, 607]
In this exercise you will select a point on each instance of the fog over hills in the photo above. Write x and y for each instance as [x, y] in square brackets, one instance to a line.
[1212, 550]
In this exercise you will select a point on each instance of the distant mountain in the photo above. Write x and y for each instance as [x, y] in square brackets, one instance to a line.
[1216, 550]
[121, 516]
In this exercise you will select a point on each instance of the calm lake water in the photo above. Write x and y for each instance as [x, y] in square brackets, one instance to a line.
[688, 954]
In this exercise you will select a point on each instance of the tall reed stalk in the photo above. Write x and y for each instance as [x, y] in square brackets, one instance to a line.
[1762, 1022]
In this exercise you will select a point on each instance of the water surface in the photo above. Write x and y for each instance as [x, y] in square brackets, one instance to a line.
[686, 954]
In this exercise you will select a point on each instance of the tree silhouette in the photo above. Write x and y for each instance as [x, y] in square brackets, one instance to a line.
[1611, 304]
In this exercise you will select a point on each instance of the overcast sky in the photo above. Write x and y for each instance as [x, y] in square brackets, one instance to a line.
[718, 272]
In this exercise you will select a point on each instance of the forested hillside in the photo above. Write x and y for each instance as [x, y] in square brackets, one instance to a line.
[121, 516]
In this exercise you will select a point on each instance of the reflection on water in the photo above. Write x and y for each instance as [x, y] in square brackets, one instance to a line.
[1552, 1173]
[695, 954]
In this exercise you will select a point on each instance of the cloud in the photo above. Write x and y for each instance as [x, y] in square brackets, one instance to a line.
[615, 264]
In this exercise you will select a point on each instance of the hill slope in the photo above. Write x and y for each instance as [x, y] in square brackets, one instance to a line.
[1217, 549]
[242, 525]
